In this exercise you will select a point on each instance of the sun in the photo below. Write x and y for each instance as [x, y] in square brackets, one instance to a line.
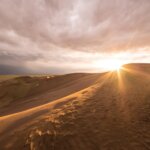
[111, 64]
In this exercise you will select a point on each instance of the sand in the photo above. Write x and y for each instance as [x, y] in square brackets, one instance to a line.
[109, 111]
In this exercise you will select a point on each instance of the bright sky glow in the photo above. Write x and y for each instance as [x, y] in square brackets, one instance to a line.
[110, 64]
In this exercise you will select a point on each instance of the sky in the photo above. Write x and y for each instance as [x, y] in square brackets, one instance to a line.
[64, 36]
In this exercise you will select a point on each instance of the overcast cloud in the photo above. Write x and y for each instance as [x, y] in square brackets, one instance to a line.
[61, 36]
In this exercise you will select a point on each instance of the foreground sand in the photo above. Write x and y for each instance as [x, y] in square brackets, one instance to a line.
[108, 111]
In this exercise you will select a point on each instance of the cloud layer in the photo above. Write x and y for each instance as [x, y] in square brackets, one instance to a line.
[50, 35]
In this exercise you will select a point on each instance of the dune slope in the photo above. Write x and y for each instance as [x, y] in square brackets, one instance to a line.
[26, 92]
[112, 112]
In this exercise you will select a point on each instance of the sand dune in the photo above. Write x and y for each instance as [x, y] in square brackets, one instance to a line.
[26, 92]
[109, 111]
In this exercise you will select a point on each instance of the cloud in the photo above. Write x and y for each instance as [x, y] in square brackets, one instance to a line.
[47, 31]
[9, 69]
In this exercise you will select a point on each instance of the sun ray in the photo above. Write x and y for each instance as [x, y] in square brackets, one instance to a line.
[121, 83]
[136, 71]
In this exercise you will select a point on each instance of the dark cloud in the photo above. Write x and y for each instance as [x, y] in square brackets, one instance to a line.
[9, 69]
